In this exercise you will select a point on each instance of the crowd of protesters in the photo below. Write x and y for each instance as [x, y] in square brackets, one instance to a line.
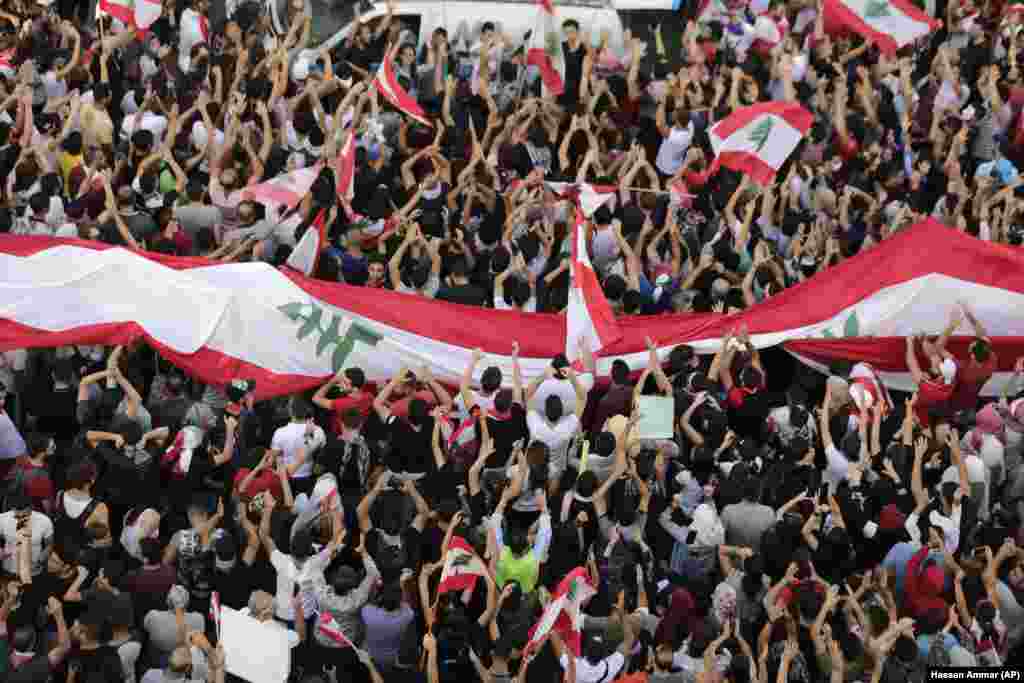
[821, 531]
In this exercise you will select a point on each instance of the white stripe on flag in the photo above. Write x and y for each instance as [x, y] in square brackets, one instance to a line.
[772, 146]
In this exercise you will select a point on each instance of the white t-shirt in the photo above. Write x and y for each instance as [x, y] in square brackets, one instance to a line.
[292, 439]
[290, 573]
[188, 36]
[838, 468]
[154, 123]
[42, 541]
[563, 389]
[556, 437]
[605, 671]
[672, 151]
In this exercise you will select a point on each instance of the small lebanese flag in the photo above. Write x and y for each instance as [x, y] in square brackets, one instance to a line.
[345, 168]
[564, 614]
[889, 24]
[215, 611]
[388, 86]
[590, 197]
[119, 9]
[589, 317]
[307, 252]
[147, 12]
[462, 567]
[287, 189]
[330, 628]
[545, 49]
[757, 140]
[711, 10]
[7, 60]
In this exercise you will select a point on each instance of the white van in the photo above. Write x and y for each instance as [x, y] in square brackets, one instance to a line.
[334, 20]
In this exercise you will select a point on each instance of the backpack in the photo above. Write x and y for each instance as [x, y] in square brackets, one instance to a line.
[65, 526]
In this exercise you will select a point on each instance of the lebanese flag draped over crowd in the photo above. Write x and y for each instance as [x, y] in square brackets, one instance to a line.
[390, 89]
[462, 567]
[545, 49]
[889, 24]
[757, 140]
[564, 613]
[289, 333]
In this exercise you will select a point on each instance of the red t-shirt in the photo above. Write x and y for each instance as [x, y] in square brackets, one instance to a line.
[970, 378]
[848, 149]
[931, 393]
[37, 482]
[265, 480]
[358, 400]
[400, 408]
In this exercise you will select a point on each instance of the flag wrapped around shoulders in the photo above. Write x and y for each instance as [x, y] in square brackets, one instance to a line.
[564, 613]
[544, 50]
[462, 567]
[388, 86]
[757, 140]
[889, 24]
[589, 319]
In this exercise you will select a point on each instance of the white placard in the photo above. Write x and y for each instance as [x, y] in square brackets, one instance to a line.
[656, 416]
[255, 651]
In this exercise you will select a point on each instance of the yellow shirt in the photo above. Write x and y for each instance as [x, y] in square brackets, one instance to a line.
[68, 162]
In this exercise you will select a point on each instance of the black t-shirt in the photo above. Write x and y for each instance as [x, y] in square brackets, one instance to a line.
[103, 661]
[36, 596]
[467, 294]
[55, 410]
[505, 432]
[411, 449]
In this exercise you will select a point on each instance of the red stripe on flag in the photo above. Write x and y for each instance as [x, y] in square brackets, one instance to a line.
[122, 13]
[549, 74]
[547, 5]
[387, 85]
[794, 114]
[747, 163]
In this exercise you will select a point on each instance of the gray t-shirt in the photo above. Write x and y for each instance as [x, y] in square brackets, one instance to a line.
[194, 217]
[746, 522]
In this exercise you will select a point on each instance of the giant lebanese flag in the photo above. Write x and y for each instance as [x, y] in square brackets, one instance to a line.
[545, 49]
[757, 140]
[589, 319]
[291, 333]
[564, 613]
[889, 24]
[462, 567]
[391, 90]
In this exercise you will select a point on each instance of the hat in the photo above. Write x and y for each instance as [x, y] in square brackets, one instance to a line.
[891, 518]
[239, 388]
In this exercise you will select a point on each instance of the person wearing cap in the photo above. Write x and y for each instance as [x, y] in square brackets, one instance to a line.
[935, 386]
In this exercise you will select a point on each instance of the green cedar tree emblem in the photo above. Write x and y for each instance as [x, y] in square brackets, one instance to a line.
[851, 328]
[313, 322]
[876, 9]
[759, 136]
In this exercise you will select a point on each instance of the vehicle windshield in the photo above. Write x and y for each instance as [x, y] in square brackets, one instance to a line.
[329, 17]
